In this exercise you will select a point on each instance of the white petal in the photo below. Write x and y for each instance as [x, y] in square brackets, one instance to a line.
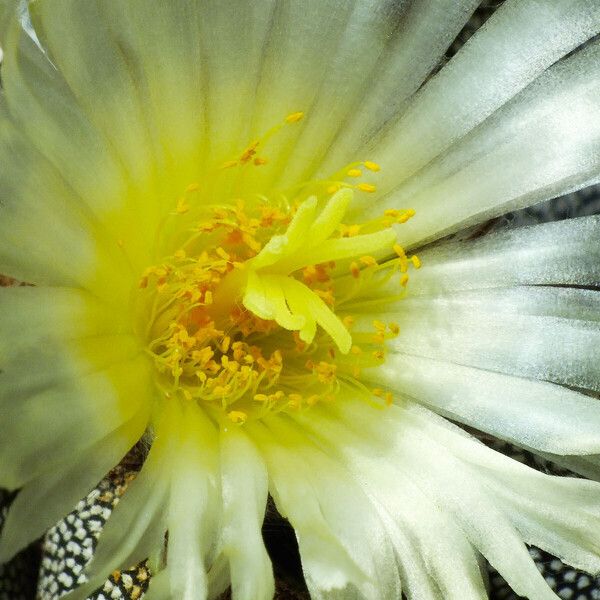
[534, 414]
[338, 551]
[514, 47]
[95, 185]
[137, 525]
[561, 515]
[194, 503]
[559, 253]
[410, 454]
[244, 489]
[564, 252]
[424, 32]
[435, 558]
[46, 499]
[542, 144]
[49, 427]
[74, 35]
[368, 75]
[46, 236]
[554, 349]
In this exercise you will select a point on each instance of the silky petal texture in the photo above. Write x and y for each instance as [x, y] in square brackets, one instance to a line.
[244, 485]
[425, 31]
[47, 498]
[537, 415]
[560, 253]
[64, 382]
[176, 490]
[46, 429]
[435, 558]
[542, 144]
[7, 10]
[454, 471]
[554, 349]
[559, 514]
[195, 505]
[51, 242]
[340, 555]
[535, 333]
[75, 335]
[359, 49]
[94, 182]
[489, 70]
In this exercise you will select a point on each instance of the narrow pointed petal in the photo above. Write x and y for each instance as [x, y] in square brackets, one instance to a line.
[487, 72]
[338, 552]
[538, 415]
[46, 499]
[244, 487]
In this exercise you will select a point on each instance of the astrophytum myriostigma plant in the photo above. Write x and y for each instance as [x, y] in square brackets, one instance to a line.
[220, 206]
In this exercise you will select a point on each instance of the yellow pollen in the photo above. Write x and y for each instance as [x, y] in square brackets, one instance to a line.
[237, 416]
[250, 304]
[371, 166]
[294, 117]
[367, 187]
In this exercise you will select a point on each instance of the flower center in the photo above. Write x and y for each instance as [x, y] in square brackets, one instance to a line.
[253, 312]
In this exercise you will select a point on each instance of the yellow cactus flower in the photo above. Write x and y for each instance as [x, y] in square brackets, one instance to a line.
[235, 217]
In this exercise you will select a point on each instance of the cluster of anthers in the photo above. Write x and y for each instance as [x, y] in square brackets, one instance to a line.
[256, 304]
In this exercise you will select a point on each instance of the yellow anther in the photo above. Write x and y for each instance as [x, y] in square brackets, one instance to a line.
[389, 398]
[224, 255]
[249, 152]
[295, 401]
[371, 165]
[416, 261]
[294, 117]
[367, 187]
[399, 250]
[253, 292]
[182, 206]
[379, 325]
[229, 164]
[377, 392]
[404, 280]
[368, 261]
[237, 416]
[349, 230]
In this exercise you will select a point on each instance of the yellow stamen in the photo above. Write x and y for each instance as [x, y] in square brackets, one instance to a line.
[371, 166]
[294, 117]
[367, 187]
[250, 303]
